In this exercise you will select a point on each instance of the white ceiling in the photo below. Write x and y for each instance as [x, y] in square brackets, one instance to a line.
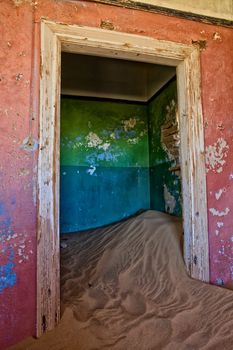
[92, 76]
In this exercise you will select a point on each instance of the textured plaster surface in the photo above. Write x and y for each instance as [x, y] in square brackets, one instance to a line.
[104, 162]
[19, 137]
[165, 185]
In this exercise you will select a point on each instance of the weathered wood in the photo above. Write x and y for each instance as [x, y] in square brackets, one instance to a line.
[48, 268]
[143, 6]
[57, 37]
[196, 247]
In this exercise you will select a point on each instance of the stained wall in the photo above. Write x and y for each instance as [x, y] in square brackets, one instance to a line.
[164, 143]
[104, 162]
[19, 96]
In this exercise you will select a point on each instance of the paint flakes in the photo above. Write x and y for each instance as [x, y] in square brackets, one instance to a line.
[219, 193]
[215, 155]
[216, 212]
[129, 123]
[170, 201]
[170, 139]
[93, 140]
[91, 170]
[105, 146]
[217, 36]
[133, 141]
[19, 76]
[12, 242]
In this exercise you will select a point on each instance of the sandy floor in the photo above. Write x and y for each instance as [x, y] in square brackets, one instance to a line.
[125, 287]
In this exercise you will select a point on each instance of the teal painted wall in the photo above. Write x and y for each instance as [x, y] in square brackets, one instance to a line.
[165, 186]
[104, 162]
[114, 160]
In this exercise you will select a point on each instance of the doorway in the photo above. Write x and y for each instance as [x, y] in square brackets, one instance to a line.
[57, 38]
[119, 141]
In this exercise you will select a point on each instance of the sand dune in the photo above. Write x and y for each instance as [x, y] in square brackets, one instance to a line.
[125, 287]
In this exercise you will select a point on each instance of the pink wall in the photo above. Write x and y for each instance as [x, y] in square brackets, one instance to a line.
[19, 136]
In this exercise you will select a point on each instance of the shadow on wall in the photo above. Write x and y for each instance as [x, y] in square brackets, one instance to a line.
[111, 165]
[164, 142]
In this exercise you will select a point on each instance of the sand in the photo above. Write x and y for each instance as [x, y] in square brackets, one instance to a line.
[125, 287]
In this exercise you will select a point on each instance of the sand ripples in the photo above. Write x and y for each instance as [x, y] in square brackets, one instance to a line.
[125, 287]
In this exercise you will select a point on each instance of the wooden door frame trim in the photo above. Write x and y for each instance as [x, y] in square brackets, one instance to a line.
[56, 38]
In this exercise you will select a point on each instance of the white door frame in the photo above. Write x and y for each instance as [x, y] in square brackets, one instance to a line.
[56, 38]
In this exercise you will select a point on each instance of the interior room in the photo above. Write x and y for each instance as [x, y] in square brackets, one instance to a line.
[120, 190]
[119, 141]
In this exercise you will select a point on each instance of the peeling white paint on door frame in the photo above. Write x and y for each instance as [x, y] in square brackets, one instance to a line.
[56, 38]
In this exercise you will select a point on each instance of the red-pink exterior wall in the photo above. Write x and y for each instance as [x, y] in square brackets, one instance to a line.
[19, 20]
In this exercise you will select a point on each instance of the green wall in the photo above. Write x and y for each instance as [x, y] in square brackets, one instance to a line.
[104, 162]
[114, 161]
[165, 186]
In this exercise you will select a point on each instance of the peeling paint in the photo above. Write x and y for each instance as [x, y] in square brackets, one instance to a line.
[19, 76]
[164, 149]
[170, 132]
[129, 124]
[105, 155]
[219, 193]
[91, 170]
[133, 141]
[93, 140]
[216, 212]
[105, 146]
[7, 274]
[215, 155]
[170, 201]
[217, 36]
